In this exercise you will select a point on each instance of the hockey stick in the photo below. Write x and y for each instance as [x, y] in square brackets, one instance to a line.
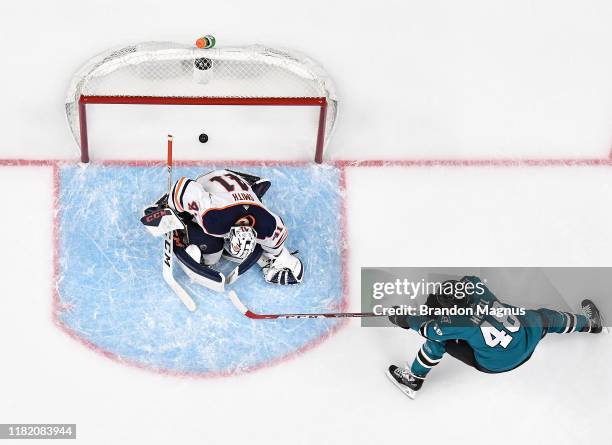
[248, 313]
[167, 264]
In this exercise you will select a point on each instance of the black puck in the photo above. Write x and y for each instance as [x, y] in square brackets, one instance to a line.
[203, 138]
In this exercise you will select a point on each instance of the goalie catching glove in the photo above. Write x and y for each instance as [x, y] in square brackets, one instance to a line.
[284, 268]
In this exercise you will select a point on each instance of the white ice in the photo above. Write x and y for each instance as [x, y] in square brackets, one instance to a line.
[442, 79]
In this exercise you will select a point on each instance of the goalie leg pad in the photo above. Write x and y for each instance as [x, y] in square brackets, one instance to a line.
[201, 251]
[199, 273]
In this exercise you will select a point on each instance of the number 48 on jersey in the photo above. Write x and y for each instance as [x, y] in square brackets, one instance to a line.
[493, 336]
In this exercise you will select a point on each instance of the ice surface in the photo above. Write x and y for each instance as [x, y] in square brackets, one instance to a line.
[114, 296]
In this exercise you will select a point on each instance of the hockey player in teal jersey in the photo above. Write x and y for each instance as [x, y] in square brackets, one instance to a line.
[495, 338]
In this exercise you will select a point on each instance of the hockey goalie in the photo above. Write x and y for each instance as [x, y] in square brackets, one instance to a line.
[221, 214]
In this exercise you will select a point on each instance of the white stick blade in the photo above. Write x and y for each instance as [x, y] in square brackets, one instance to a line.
[178, 290]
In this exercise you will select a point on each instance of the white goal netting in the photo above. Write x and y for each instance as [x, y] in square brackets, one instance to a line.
[168, 70]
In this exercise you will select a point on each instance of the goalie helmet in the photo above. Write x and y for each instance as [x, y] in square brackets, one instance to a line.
[241, 241]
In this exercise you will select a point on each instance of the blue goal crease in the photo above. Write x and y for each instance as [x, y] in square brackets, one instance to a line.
[111, 281]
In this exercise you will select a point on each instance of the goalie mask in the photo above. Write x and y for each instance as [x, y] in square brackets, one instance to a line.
[241, 241]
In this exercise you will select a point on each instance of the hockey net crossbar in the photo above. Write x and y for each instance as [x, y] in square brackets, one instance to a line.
[152, 100]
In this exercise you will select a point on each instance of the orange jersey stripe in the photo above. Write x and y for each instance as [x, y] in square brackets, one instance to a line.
[178, 186]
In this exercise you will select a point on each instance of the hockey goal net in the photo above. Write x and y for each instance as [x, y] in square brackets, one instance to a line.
[165, 73]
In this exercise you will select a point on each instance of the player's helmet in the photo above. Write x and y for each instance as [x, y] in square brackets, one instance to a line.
[452, 293]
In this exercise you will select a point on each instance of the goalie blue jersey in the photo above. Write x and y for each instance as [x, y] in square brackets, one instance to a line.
[500, 340]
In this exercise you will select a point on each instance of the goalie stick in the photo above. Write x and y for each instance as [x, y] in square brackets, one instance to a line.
[167, 267]
[250, 314]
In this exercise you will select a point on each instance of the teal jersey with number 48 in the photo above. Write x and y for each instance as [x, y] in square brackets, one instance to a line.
[500, 341]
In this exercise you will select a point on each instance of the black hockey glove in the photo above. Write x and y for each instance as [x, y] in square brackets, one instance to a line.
[399, 320]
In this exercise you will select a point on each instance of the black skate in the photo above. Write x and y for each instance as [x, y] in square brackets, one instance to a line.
[407, 383]
[592, 313]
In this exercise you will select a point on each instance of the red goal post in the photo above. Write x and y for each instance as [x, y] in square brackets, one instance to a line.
[164, 73]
